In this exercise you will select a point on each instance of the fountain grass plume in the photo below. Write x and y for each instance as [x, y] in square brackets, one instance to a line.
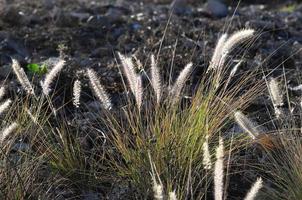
[217, 52]
[237, 38]
[206, 159]
[2, 92]
[218, 171]
[134, 80]
[129, 71]
[172, 196]
[139, 91]
[276, 96]
[22, 78]
[7, 131]
[180, 82]
[76, 93]
[225, 45]
[251, 195]
[156, 80]
[50, 76]
[235, 69]
[157, 190]
[5, 105]
[275, 92]
[98, 89]
[247, 125]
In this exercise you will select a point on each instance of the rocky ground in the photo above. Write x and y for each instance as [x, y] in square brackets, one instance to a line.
[89, 33]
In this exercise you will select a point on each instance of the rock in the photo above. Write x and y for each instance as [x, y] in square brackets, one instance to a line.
[180, 7]
[89, 195]
[49, 4]
[4, 59]
[217, 8]
[95, 105]
[5, 70]
[116, 14]
[21, 146]
[13, 45]
[13, 16]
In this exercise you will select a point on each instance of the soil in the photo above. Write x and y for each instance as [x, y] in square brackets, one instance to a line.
[90, 33]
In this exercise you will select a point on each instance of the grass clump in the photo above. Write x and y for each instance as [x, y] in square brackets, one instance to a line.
[171, 131]
[160, 142]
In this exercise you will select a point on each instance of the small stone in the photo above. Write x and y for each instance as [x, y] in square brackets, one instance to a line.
[217, 8]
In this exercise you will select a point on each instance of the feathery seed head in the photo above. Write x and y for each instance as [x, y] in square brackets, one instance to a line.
[134, 80]
[207, 164]
[98, 89]
[129, 71]
[218, 171]
[139, 91]
[76, 93]
[2, 92]
[50, 76]
[251, 195]
[229, 44]
[22, 78]
[217, 52]
[172, 196]
[155, 79]
[237, 38]
[275, 92]
[179, 83]
[247, 125]
[234, 70]
[4, 106]
[157, 190]
[7, 131]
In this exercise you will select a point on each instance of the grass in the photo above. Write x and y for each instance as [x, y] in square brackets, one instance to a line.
[160, 142]
[168, 138]
[284, 167]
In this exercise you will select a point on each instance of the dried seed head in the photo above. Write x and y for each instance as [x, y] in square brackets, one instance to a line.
[22, 78]
[98, 89]
[129, 71]
[50, 76]
[134, 80]
[218, 171]
[275, 92]
[157, 190]
[251, 195]
[234, 70]
[4, 106]
[155, 80]
[237, 38]
[207, 164]
[2, 92]
[76, 93]
[7, 131]
[172, 196]
[225, 45]
[180, 82]
[218, 52]
[247, 125]
[139, 91]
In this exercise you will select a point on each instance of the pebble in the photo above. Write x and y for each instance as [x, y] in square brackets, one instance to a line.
[217, 8]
